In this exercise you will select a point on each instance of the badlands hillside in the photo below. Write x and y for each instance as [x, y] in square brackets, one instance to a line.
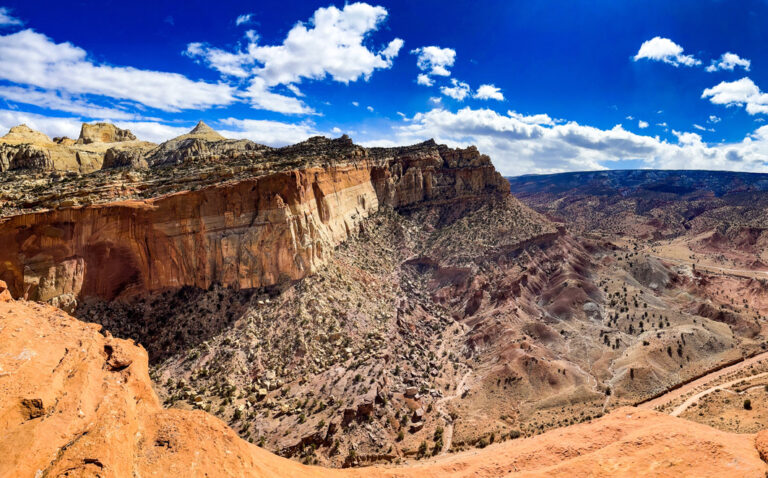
[346, 306]
[75, 401]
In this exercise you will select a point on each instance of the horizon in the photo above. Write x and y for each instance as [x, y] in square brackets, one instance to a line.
[541, 89]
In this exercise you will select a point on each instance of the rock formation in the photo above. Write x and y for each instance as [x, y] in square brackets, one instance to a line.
[103, 133]
[27, 151]
[200, 143]
[250, 233]
[74, 402]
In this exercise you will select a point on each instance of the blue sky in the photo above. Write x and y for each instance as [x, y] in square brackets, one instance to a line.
[541, 86]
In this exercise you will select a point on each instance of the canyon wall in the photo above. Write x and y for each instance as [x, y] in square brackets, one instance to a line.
[248, 233]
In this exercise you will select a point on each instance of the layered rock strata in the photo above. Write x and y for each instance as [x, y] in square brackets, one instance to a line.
[246, 233]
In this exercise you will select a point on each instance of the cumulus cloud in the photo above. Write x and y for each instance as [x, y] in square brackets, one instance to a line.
[729, 61]
[488, 92]
[262, 97]
[271, 133]
[743, 92]
[32, 59]
[541, 118]
[244, 18]
[226, 63]
[331, 44]
[713, 119]
[434, 61]
[49, 125]
[369, 108]
[518, 147]
[53, 100]
[664, 49]
[458, 91]
[424, 80]
[642, 124]
[154, 131]
[6, 19]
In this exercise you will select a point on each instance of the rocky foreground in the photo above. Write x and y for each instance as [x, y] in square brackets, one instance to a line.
[75, 401]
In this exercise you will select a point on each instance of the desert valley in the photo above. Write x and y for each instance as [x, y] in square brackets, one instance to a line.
[345, 306]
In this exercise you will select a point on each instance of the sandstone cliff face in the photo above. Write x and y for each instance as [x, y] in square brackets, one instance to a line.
[74, 402]
[249, 233]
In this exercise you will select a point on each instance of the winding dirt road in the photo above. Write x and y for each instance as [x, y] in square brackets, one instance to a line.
[703, 382]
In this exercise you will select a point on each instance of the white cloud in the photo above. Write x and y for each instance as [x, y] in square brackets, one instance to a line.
[434, 60]
[729, 61]
[541, 118]
[271, 133]
[336, 130]
[458, 91]
[488, 92]
[244, 18]
[743, 92]
[261, 97]
[55, 101]
[642, 124]
[6, 19]
[49, 125]
[630, 117]
[355, 103]
[517, 147]
[702, 128]
[664, 49]
[424, 79]
[436, 100]
[154, 131]
[331, 44]
[713, 119]
[369, 108]
[31, 59]
[227, 63]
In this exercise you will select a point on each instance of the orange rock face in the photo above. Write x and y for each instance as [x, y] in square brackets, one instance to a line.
[74, 402]
[249, 233]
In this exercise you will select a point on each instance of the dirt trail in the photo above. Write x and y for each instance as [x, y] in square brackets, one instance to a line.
[448, 431]
[701, 382]
[712, 268]
[684, 406]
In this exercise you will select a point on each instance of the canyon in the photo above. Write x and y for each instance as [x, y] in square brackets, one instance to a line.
[346, 306]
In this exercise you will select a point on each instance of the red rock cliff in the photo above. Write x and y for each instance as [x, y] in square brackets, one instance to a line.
[246, 233]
